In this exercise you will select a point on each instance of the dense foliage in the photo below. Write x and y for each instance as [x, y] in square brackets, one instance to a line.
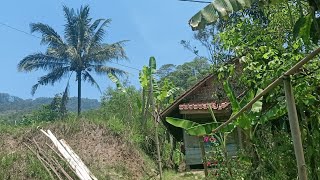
[185, 75]
[268, 42]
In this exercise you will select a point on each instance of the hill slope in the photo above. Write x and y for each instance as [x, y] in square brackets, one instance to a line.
[106, 154]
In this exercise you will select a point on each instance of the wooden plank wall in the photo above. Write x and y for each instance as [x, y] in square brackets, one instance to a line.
[193, 151]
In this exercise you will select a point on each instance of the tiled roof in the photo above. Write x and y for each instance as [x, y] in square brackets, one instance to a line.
[194, 106]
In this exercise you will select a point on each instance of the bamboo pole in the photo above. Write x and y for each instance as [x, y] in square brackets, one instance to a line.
[41, 160]
[80, 172]
[268, 88]
[295, 130]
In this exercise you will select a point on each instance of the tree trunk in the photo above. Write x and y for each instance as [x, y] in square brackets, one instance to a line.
[79, 92]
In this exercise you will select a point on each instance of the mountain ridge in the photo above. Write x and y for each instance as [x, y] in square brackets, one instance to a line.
[10, 103]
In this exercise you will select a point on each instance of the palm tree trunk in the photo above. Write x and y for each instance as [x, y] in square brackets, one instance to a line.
[79, 92]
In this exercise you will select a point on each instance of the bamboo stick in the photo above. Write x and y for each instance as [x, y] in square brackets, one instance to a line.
[295, 129]
[77, 158]
[80, 172]
[46, 168]
[46, 159]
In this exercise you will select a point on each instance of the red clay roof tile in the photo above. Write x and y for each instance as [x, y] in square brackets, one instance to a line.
[194, 106]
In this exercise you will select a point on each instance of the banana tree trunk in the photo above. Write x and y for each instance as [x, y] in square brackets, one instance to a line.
[156, 118]
[158, 147]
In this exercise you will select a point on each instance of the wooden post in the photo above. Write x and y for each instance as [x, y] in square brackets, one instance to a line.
[295, 130]
[203, 154]
[156, 123]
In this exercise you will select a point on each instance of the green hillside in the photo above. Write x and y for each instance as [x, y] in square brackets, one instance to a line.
[9, 103]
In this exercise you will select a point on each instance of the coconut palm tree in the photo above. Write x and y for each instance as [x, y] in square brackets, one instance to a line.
[81, 52]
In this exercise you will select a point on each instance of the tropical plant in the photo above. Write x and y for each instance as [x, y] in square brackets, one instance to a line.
[82, 51]
[154, 98]
[222, 9]
[269, 48]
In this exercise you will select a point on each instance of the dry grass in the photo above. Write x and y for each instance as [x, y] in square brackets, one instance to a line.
[107, 155]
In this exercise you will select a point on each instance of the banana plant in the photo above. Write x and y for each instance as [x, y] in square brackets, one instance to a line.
[160, 95]
[117, 82]
[221, 10]
[254, 116]
[154, 97]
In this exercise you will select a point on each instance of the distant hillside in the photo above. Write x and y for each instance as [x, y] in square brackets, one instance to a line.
[9, 103]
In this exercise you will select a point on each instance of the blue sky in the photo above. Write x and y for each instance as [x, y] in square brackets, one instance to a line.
[154, 28]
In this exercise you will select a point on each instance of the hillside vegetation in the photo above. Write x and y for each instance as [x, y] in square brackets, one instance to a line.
[9, 103]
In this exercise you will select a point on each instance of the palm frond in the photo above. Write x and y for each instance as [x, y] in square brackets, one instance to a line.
[34, 88]
[103, 70]
[107, 52]
[65, 98]
[84, 12]
[49, 35]
[87, 77]
[50, 78]
[40, 61]
[96, 23]
[83, 26]
[70, 31]
[97, 36]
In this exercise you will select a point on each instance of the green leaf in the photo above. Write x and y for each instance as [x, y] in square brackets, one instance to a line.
[196, 129]
[216, 10]
[152, 65]
[273, 113]
[182, 123]
[232, 97]
[202, 129]
[193, 128]
[144, 76]
[115, 80]
[302, 28]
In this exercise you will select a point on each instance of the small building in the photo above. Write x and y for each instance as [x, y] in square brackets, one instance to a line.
[193, 105]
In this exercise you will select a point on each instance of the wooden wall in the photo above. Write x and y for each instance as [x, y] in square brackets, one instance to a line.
[193, 151]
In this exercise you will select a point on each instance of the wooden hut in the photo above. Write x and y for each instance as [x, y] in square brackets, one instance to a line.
[193, 105]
